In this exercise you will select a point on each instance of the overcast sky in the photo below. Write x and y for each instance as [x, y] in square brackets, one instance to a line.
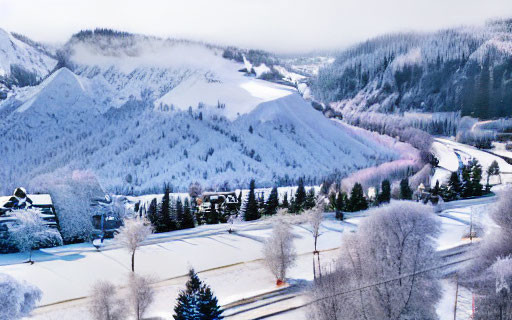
[275, 25]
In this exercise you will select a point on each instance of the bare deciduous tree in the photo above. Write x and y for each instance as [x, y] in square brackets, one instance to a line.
[279, 251]
[378, 275]
[141, 294]
[105, 303]
[315, 217]
[132, 234]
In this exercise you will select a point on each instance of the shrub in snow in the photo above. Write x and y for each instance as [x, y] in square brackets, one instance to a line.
[141, 295]
[17, 299]
[132, 234]
[72, 193]
[106, 303]
[393, 245]
[31, 232]
[278, 250]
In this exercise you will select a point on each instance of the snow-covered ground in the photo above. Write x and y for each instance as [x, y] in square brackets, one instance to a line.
[231, 263]
[451, 154]
[500, 149]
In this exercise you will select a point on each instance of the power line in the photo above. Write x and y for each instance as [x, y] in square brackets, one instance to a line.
[385, 281]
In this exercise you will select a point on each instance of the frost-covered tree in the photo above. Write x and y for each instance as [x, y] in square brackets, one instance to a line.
[492, 271]
[132, 234]
[72, 193]
[279, 251]
[105, 303]
[315, 217]
[380, 274]
[141, 294]
[31, 232]
[197, 301]
[17, 299]
[195, 190]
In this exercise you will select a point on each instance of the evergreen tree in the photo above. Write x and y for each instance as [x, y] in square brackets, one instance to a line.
[385, 194]
[197, 301]
[492, 170]
[300, 196]
[454, 186]
[324, 189]
[153, 214]
[165, 214]
[239, 205]
[341, 204]
[310, 199]
[251, 210]
[292, 208]
[436, 190]
[340, 201]
[476, 177]
[179, 213]
[208, 304]
[405, 190]
[357, 200]
[188, 216]
[285, 203]
[272, 202]
[332, 201]
[187, 303]
[212, 217]
[261, 204]
[467, 187]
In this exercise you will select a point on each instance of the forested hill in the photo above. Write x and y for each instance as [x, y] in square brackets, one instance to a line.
[467, 69]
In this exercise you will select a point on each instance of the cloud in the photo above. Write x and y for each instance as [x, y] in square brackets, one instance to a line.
[277, 25]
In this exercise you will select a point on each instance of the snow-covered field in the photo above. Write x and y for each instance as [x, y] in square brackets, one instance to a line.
[231, 263]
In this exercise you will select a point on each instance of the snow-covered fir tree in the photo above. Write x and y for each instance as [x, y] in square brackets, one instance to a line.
[197, 301]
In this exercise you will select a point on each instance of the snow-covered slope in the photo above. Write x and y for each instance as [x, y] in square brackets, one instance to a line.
[21, 63]
[467, 69]
[141, 112]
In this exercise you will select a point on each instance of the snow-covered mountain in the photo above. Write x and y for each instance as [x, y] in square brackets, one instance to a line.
[141, 111]
[467, 69]
[22, 62]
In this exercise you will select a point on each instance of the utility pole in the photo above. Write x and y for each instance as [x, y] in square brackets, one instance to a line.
[456, 296]
[471, 227]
